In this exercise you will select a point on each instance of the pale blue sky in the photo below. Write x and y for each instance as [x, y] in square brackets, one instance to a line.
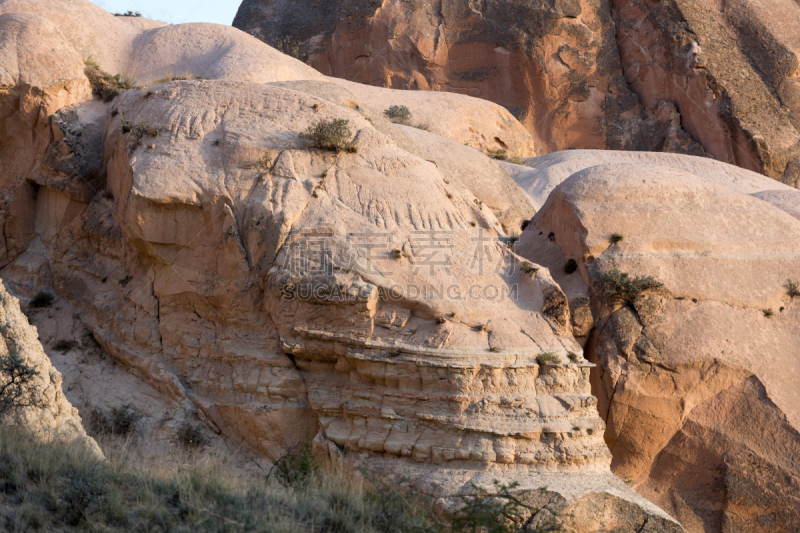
[177, 11]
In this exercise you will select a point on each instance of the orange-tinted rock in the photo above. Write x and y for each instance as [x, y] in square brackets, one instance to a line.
[684, 76]
[697, 379]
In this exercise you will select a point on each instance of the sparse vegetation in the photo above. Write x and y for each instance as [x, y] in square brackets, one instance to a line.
[494, 349]
[104, 85]
[265, 163]
[500, 154]
[572, 356]
[138, 129]
[397, 254]
[129, 13]
[298, 467]
[793, 289]
[170, 77]
[517, 160]
[528, 268]
[42, 299]
[65, 345]
[619, 285]
[500, 511]
[399, 114]
[332, 135]
[191, 435]
[288, 45]
[769, 313]
[17, 387]
[440, 320]
[571, 266]
[117, 421]
[548, 359]
[616, 237]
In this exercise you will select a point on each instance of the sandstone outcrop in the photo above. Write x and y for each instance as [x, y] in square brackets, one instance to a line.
[45, 413]
[682, 76]
[539, 176]
[697, 373]
[369, 297]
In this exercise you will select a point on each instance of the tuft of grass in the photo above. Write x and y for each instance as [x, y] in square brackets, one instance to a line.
[616, 237]
[572, 356]
[170, 77]
[440, 320]
[265, 163]
[42, 299]
[104, 85]
[619, 285]
[769, 313]
[793, 289]
[548, 359]
[334, 135]
[528, 268]
[397, 254]
[571, 266]
[399, 114]
[129, 13]
[501, 154]
[139, 129]
[517, 160]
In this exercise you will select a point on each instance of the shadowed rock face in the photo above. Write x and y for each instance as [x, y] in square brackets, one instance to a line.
[681, 76]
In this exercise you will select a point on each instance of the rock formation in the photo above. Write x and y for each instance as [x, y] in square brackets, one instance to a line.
[683, 76]
[369, 296]
[42, 409]
[696, 379]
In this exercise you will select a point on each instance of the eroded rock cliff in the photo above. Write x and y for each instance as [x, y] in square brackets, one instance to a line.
[682, 76]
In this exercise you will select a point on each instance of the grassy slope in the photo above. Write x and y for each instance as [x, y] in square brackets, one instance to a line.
[52, 488]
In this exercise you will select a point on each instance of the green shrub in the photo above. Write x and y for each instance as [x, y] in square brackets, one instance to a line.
[17, 384]
[548, 358]
[332, 135]
[616, 237]
[501, 154]
[298, 467]
[769, 313]
[619, 285]
[42, 299]
[104, 85]
[571, 266]
[129, 13]
[528, 268]
[572, 356]
[399, 114]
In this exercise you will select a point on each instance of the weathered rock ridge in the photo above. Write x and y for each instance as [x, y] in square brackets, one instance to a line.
[683, 76]
[697, 379]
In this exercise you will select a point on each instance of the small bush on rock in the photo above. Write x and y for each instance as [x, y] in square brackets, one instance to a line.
[548, 359]
[571, 266]
[793, 289]
[288, 45]
[104, 85]
[42, 299]
[399, 114]
[332, 135]
[619, 285]
[192, 435]
[117, 421]
[17, 387]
